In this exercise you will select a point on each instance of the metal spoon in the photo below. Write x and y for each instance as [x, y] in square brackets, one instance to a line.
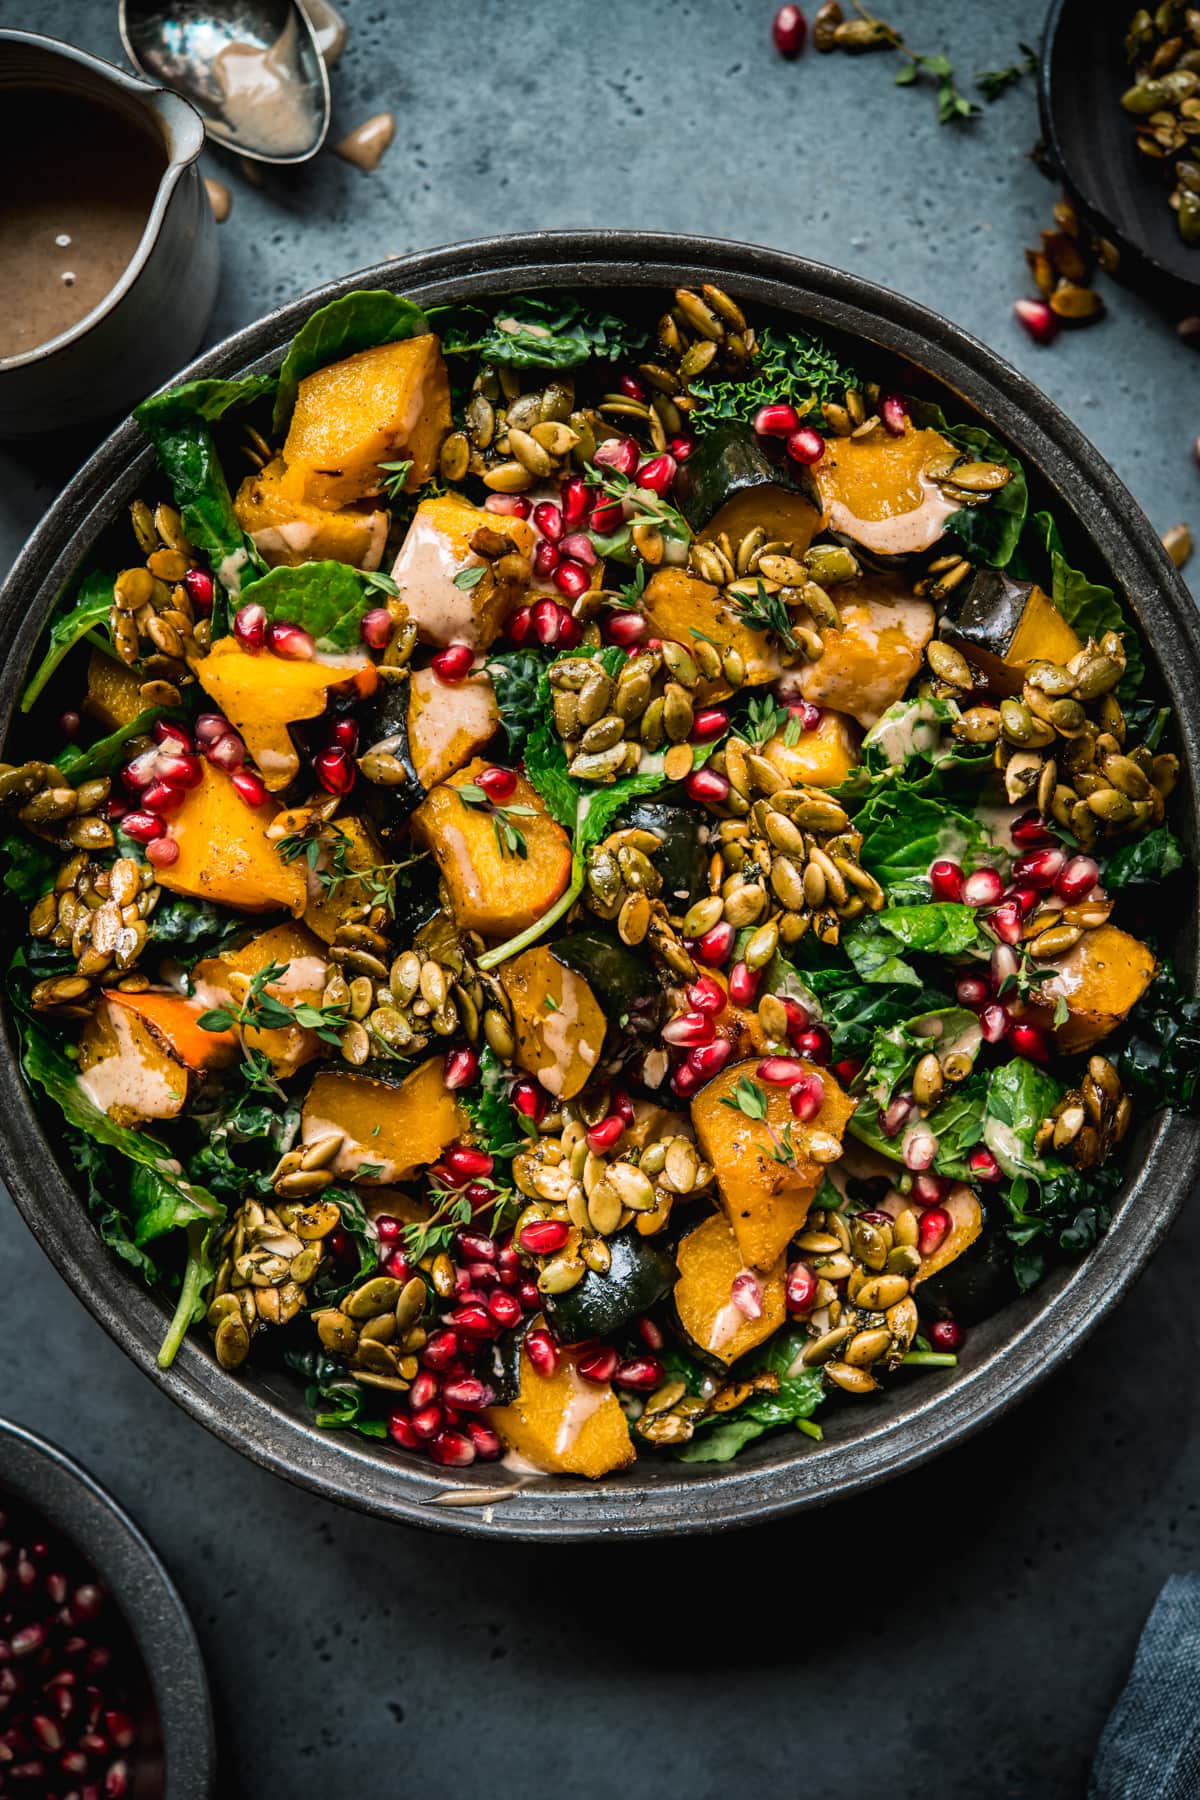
[252, 68]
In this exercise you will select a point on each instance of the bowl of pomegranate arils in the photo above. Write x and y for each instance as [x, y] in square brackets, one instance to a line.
[595, 840]
[102, 1688]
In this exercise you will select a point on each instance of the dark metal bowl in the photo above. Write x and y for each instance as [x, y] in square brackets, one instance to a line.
[262, 1412]
[67, 1497]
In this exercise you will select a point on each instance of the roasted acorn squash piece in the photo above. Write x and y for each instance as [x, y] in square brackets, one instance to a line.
[386, 404]
[448, 723]
[869, 662]
[730, 483]
[142, 1055]
[1002, 625]
[559, 1025]
[436, 549]
[224, 980]
[822, 757]
[640, 1272]
[766, 1199]
[289, 530]
[114, 695]
[1105, 974]
[355, 847]
[710, 1262]
[261, 695]
[225, 854]
[875, 489]
[678, 605]
[391, 1131]
[563, 1424]
[490, 889]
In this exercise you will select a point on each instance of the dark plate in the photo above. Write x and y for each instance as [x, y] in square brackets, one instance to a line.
[262, 1413]
[69, 1499]
[1121, 193]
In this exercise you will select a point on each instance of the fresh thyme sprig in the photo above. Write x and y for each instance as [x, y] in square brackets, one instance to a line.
[261, 1011]
[953, 106]
[331, 843]
[397, 474]
[748, 1098]
[767, 612]
[994, 82]
[510, 839]
[766, 718]
[451, 1211]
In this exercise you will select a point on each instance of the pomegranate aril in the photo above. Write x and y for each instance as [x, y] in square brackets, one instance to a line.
[335, 770]
[1038, 319]
[542, 1352]
[210, 727]
[427, 1421]
[162, 797]
[1041, 868]
[706, 995]
[618, 453]
[530, 1099]
[461, 1068]
[172, 737]
[291, 642]
[806, 1098]
[947, 1336]
[994, 1022]
[142, 827]
[162, 851]
[625, 629]
[548, 519]
[920, 1148]
[805, 446]
[250, 626]
[603, 1136]
[681, 446]
[576, 498]
[453, 664]
[893, 414]
[1024, 898]
[249, 787]
[983, 1166]
[896, 1114]
[657, 474]
[544, 1236]
[688, 1029]
[780, 1071]
[1028, 832]
[789, 28]
[815, 1043]
[400, 1428]
[28, 1639]
[199, 586]
[848, 1069]
[397, 1266]
[423, 1392]
[800, 1288]
[511, 506]
[572, 579]
[599, 1364]
[708, 723]
[579, 547]
[651, 1334]
[946, 880]
[441, 1350]
[972, 991]
[504, 1307]
[743, 984]
[642, 1373]
[179, 770]
[777, 419]
[545, 559]
[707, 786]
[746, 1294]
[983, 887]
[933, 1228]
[1077, 879]
[607, 516]
[228, 753]
[529, 1294]
[631, 387]
[1030, 1043]
[1007, 922]
[707, 1060]
[375, 628]
[716, 945]
[467, 1392]
[520, 625]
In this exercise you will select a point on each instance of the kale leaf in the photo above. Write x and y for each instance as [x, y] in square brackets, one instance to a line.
[539, 331]
[1146, 859]
[327, 599]
[516, 675]
[1160, 1062]
[791, 366]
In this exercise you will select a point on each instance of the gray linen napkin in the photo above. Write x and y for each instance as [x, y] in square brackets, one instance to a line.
[1150, 1747]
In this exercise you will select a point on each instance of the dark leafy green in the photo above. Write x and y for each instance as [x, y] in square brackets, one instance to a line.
[489, 1110]
[989, 533]
[876, 942]
[539, 331]
[791, 367]
[1020, 1096]
[327, 599]
[106, 755]
[720, 1438]
[1067, 1212]
[904, 832]
[87, 612]
[1160, 1063]
[355, 322]
[957, 1123]
[189, 460]
[1147, 859]
[338, 1404]
[29, 865]
[516, 675]
[190, 929]
[208, 399]
[1088, 606]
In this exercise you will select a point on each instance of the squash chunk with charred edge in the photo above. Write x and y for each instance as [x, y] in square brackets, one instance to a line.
[781, 512]
[559, 1025]
[114, 695]
[225, 854]
[492, 889]
[390, 403]
[876, 492]
[1100, 979]
[820, 758]
[261, 695]
[354, 848]
[966, 1223]
[868, 664]
[224, 980]
[677, 605]
[765, 1192]
[288, 530]
[1002, 625]
[563, 1424]
[448, 724]
[141, 1055]
[436, 572]
[390, 1132]
[710, 1260]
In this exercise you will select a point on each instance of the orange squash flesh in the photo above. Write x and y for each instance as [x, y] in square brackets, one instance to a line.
[875, 490]
[710, 1260]
[390, 1131]
[288, 530]
[766, 1200]
[114, 696]
[448, 725]
[225, 855]
[436, 549]
[559, 1026]
[869, 662]
[286, 1047]
[563, 1424]
[173, 1019]
[357, 848]
[1100, 979]
[261, 695]
[782, 513]
[388, 403]
[128, 1068]
[677, 605]
[490, 890]
[821, 758]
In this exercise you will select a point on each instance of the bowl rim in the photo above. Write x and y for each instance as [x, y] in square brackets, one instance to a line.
[918, 1421]
[45, 1478]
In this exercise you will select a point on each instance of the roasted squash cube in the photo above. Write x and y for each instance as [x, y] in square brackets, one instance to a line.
[262, 695]
[225, 854]
[822, 757]
[563, 1424]
[142, 1055]
[678, 605]
[435, 561]
[876, 489]
[114, 694]
[390, 1131]
[389, 403]
[448, 724]
[1002, 625]
[355, 848]
[492, 889]
[1099, 980]
[782, 513]
[288, 529]
[710, 1262]
[869, 662]
[558, 1022]
[224, 980]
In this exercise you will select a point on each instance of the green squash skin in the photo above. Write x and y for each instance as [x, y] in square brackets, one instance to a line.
[975, 1285]
[682, 860]
[723, 463]
[989, 611]
[616, 977]
[384, 720]
[640, 1274]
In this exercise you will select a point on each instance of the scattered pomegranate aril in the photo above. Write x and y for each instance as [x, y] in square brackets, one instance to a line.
[715, 946]
[597, 1365]
[472, 1319]
[815, 1043]
[497, 783]
[548, 519]
[983, 1166]
[1077, 879]
[946, 880]
[1007, 922]
[427, 1421]
[893, 414]
[603, 1136]
[805, 446]
[776, 420]
[746, 1294]
[453, 664]
[994, 1022]
[625, 629]
[250, 626]
[400, 1430]
[687, 1029]
[466, 1163]
[1038, 320]
[571, 579]
[947, 1336]
[578, 546]
[896, 1114]
[334, 770]
[929, 1189]
[291, 642]
[510, 506]
[807, 1098]
[198, 584]
[179, 769]
[707, 1060]
[1029, 831]
[142, 827]
[530, 1296]
[652, 1335]
[141, 772]
[608, 515]
[631, 387]
[504, 1307]
[708, 786]
[468, 1393]
[780, 1071]
[642, 1373]
[173, 737]
[545, 559]
[972, 991]
[1030, 1043]
[1023, 898]
[681, 446]
[398, 1266]
[423, 1391]
[800, 1288]
[162, 851]
[983, 887]
[708, 723]
[440, 1350]
[799, 1019]
[461, 1067]
[707, 995]
[920, 1148]
[934, 1227]
[375, 628]
[657, 473]
[519, 625]
[848, 1070]
[789, 28]
[544, 1236]
[743, 984]
[1041, 868]
[228, 753]
[162, 797]
[619, 453]
[530, 1099]
[488, 1447]
[576, 498]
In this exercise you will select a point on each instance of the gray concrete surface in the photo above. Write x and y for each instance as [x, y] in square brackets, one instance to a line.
[961, 1633]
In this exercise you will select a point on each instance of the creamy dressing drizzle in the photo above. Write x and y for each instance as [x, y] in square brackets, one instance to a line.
[424, 572]
[729, 1320]
[351, 1155]
[584, 1399]
[909, 728]
[229, 571]
[556, 1029]
[264, 104]
[126, 1079]
[444, 718]
[903, 534]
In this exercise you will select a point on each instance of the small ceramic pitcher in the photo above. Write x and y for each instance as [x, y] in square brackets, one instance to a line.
[150, 322]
